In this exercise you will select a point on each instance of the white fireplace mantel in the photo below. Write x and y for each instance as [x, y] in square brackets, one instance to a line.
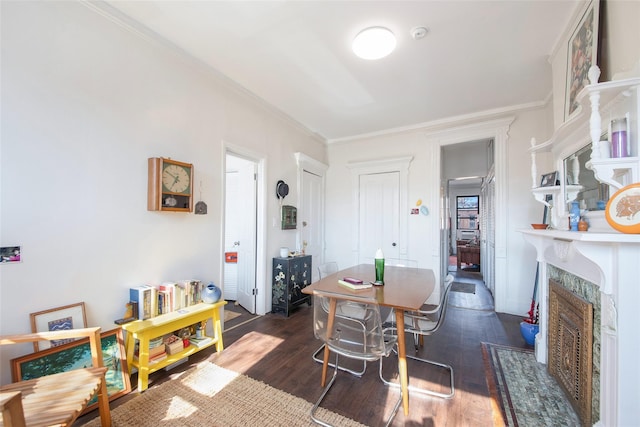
[612, 262]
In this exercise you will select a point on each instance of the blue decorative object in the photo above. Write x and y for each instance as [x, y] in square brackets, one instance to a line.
[574, 215]
[211, 293]
[529, 332]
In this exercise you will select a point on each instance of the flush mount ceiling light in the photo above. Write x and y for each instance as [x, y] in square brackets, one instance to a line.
[374, 43]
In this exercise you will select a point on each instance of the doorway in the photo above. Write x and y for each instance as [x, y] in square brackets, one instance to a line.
[240, 231]
[466, 166]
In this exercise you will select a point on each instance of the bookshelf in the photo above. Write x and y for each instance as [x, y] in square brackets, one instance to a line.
[146, 330]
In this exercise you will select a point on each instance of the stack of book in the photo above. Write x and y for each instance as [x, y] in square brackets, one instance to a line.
[200, 342]
[355, 284]
[157, 350]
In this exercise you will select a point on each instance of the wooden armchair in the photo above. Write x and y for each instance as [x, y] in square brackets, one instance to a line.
[56, 399]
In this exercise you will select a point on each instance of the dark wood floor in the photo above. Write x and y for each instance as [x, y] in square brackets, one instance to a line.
[277, 351]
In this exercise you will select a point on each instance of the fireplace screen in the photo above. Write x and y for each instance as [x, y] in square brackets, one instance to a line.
[570, 346]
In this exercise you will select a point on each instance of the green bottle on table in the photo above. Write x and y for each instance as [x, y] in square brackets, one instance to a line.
[379, 262]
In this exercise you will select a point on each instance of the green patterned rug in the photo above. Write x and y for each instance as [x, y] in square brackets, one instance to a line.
[523, 393]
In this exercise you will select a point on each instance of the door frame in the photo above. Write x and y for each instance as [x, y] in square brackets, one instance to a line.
[306, 163]
[498, 130]
[261, 221]
[397, 164]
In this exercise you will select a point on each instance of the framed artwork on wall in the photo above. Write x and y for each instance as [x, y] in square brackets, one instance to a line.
[582, 53]
[9, 254]
[71, 316]
[77, 354]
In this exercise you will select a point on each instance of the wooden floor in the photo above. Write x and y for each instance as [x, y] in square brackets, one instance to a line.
[277, 351]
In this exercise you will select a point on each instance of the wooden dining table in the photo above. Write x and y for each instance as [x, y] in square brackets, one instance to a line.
[404, 289]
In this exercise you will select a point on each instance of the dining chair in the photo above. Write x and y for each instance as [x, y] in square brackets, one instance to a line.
[422, 323]
[340, 338]
[351, 310]
[57, 399]
[399, 262]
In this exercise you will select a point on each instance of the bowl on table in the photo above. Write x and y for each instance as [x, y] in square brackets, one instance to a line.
[540, 226]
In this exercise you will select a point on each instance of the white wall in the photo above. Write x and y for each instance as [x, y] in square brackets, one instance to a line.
[85, 102]
[424, 171]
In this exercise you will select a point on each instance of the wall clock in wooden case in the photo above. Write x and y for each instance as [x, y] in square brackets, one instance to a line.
[170, 185]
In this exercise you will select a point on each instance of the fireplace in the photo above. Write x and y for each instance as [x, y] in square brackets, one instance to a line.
[598, 267]
[571, 347]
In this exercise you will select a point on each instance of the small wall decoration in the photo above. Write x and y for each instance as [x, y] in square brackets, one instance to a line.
[77, 354]
[9, 254]
[289, 217]
[582, 53]
[282, 189]
[71, 316]
[549, 179]
[623, 209]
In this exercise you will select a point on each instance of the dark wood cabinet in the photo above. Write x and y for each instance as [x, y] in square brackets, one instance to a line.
[290, 276]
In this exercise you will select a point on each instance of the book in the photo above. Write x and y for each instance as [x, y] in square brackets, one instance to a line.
[200, 342]
[143, 296]
[355, 286]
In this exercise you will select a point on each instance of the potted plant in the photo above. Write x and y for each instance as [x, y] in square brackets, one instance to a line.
[529, 326]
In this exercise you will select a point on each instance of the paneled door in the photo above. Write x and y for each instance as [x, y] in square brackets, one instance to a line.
[311, 222]
[240, 230]
[379, 225]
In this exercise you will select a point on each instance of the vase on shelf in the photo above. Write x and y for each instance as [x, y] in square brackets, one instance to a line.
[574, 216]
[211, 293]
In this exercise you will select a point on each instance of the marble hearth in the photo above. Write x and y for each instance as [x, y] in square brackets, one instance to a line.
[611, 262]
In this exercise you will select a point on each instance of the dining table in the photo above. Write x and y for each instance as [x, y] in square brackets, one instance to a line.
[404, 288]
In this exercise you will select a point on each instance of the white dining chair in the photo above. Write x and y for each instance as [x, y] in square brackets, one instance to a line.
[422, 323]
[349, 309]
[344, 341]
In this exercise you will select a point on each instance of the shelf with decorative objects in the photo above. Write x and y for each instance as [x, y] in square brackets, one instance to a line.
[617, 98]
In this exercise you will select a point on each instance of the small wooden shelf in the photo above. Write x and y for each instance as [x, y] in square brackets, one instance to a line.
[145, 330]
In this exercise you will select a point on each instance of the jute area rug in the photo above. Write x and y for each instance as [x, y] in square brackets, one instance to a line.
[523, 393]
[230, 315]
[209, 395]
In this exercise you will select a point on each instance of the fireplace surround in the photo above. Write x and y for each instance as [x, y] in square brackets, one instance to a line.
[606, 262]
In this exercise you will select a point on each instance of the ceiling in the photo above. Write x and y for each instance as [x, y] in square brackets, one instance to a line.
[478, 56]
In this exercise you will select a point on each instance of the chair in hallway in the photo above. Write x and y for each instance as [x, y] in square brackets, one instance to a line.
[425, 322]
[340, 338]
[354, 311]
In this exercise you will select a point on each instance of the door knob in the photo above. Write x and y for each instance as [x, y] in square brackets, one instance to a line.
[393, 244]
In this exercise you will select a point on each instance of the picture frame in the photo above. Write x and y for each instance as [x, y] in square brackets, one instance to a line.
[582, 53]
[289, 217]
[549, 179]
[72, 316]
[547, 210]
[77, 354]
[10, 254]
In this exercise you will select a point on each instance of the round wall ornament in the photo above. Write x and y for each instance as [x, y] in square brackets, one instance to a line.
[623, 209]
[282, 189]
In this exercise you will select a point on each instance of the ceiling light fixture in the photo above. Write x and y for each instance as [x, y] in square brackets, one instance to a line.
[374, 43]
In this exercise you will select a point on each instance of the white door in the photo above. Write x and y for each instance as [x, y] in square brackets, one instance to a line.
[379, 225]
[240, 228]
[311, 219]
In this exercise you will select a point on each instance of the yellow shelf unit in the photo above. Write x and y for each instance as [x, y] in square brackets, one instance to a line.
[146, 330]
